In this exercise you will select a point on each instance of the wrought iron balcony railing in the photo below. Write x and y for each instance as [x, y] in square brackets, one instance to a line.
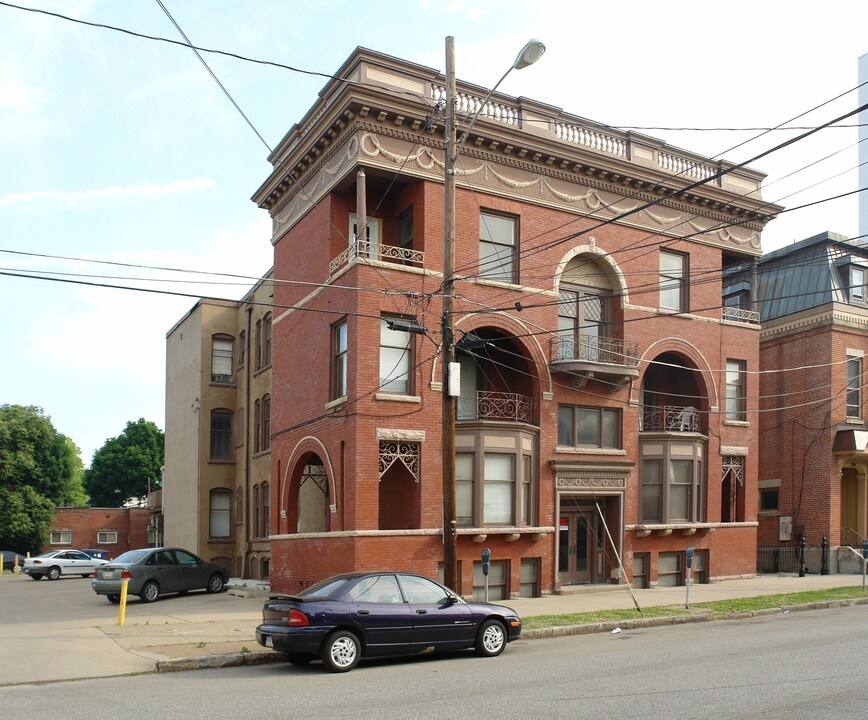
[589, 348]
[669, 418]
[738, 314]
[386, 253]
[483, 405]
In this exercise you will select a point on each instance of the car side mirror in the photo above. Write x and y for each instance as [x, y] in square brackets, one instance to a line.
[451, 599]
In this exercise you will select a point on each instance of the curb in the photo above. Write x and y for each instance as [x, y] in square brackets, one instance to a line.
[698, 616]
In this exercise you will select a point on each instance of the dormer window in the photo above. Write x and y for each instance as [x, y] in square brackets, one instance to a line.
[857, 284]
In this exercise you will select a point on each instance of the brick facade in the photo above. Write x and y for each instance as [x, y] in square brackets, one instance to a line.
[84, 525]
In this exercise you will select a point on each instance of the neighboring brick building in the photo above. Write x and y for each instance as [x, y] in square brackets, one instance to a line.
[215, 488]
[608, 384]
[114, 530]
[814, 476]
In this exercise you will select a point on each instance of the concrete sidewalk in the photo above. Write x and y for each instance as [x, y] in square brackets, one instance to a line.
[218, 631]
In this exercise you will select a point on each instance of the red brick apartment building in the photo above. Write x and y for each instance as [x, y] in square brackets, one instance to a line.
[608, 352]
[813, 480]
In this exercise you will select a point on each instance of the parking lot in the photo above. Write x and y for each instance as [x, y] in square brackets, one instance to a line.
[62, 630]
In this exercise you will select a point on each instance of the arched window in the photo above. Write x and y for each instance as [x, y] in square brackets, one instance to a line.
[257, 425]
[220, 512]
[266, 422]
[266, 340]
[256, 511]
[265, 524]
[221, 358]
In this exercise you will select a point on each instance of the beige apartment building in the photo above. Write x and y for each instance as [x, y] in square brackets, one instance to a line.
[218, 431]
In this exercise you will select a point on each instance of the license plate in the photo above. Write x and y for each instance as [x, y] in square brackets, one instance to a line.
[269, 643]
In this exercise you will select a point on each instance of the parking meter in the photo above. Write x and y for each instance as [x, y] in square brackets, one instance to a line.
[689, 553]
[864, 562]
[486, 562]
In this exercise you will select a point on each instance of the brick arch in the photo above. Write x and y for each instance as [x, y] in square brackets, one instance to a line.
[303, 450]
[600, 255]
[688, 351]
[523, 335]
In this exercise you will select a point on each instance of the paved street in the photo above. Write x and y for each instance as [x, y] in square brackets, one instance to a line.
[795, 666]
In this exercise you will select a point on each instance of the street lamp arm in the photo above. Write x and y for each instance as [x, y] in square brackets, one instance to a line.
[530, 53]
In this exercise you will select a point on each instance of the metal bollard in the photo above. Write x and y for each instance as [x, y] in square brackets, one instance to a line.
[122, 613]
[801, 556]
[824, 557]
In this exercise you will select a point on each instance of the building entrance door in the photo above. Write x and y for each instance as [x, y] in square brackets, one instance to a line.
[577, 545]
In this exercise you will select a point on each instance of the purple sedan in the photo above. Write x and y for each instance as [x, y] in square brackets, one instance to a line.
[375, 614]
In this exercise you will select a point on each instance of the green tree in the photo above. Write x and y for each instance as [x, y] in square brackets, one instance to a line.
[39, 468]
[126, 466]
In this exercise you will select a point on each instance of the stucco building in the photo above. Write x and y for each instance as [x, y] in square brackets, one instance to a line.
[215, 489]
[606, 331]
[813, 480]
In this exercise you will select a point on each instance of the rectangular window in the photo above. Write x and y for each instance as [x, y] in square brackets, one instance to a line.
[497, 505]
[672, 483]
[735, 390]
[404, 231]
[673, 281]
[61, 537]
[699, 567]
[257, 425]
[255, 511]
[464, 488]
[589, 427]
[652, 491]
[497, 247]
[497, 581]
[529, 571]
[396, 359]
[107, 537]
[221, 435]
[242, 348]
[669, 569]
[221, 359]
[221, 503]
[582, 324]
[641, 561]
[854, 387]
[527, 515]
[768, 500]
[857, 285]
[339, 360]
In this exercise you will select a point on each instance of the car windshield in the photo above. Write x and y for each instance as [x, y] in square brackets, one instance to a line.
[131, 556]
[327, 588]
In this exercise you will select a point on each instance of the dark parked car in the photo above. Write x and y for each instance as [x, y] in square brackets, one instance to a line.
[354, 615]
[152, 572]
[9, 559]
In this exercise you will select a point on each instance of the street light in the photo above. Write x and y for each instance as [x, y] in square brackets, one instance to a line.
[530, 53]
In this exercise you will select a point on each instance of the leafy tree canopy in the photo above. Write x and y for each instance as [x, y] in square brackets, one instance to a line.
[39, 468]
[126, 466]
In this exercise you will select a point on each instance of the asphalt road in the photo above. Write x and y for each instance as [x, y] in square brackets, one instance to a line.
[794, 666]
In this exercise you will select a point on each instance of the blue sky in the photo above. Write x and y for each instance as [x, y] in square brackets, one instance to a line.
[125, 150]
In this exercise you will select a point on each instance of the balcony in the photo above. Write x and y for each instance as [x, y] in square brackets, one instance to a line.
[737, 314]
[506, 407]
[615, 362]
[670, 418]
[376, 251]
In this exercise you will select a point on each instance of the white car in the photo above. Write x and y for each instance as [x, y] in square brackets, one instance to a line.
[55, 563]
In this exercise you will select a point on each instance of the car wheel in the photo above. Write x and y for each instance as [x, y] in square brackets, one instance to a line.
[114, 599]
[340, 651]
[150, 591]
[299, 658]
[215, 583]
[34, 576]
[53, 573]
[491, 638]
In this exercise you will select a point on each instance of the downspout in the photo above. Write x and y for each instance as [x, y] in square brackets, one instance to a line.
[245, 569]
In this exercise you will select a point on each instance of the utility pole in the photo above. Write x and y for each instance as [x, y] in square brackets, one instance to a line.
[450, 530]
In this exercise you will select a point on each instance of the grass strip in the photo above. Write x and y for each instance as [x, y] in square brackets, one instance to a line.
[717, 607]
